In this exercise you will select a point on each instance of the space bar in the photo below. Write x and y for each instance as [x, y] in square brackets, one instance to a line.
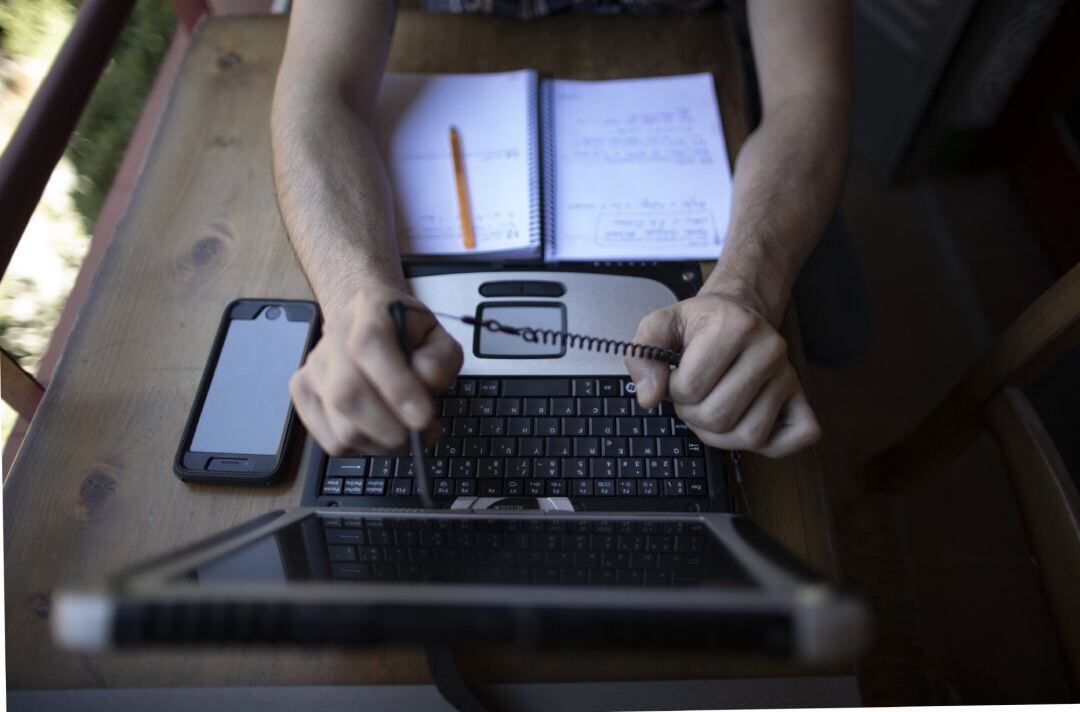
[536, 387]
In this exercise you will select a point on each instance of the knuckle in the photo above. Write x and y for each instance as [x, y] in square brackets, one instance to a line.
[721, 420]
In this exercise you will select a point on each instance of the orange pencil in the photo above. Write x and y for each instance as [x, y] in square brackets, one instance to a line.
[467, 235]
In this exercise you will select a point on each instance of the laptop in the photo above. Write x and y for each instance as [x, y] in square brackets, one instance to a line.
[565, 514]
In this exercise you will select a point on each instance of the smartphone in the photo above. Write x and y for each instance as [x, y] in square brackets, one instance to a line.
[242, 421]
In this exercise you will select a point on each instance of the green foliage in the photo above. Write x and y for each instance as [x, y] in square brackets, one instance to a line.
[34, 28]
[101, 137]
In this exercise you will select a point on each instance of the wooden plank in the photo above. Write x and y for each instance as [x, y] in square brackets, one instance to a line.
[18, 388]
[92, 490]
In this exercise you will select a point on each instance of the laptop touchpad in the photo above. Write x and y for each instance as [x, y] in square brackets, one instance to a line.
[540, 316]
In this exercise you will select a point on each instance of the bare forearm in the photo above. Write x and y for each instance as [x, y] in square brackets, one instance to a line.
[335, 198]
[787, 181]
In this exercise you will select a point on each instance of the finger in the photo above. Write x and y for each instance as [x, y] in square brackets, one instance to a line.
[756, 427]
[796, 428]
[373, 349]
[725, 406]
[707, 355]
[438, 360]
[650, 376]
[310, 410]
[355, 408]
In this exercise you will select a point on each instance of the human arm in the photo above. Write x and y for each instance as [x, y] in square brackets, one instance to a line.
[355, 392]
[736, 386]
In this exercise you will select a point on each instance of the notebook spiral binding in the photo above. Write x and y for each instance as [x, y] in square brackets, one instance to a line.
[585, 342]
[547, 148]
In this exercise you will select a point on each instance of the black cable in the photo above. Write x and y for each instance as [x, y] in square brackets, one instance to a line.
[416, 442]
[448, 680]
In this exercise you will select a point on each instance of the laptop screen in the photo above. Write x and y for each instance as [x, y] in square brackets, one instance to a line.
[636, 552]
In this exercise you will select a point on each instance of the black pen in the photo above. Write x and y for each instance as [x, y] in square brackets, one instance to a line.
[416, 442]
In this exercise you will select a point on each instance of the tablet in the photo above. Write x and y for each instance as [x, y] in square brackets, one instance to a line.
[359, 578]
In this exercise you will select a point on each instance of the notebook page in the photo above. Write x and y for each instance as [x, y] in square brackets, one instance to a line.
[496, 120]
[641, 170]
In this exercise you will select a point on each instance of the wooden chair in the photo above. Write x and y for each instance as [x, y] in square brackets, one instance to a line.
[990, 397]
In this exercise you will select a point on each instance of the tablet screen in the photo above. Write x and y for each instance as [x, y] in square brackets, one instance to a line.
[497, 550]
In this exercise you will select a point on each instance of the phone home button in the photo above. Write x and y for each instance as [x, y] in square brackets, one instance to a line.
[229, 464]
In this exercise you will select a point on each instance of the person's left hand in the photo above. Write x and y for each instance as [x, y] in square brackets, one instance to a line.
[734, 385]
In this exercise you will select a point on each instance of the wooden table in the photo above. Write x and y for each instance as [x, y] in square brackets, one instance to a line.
[92, 489]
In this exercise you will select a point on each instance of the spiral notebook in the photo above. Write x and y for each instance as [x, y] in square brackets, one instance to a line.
[557, 170]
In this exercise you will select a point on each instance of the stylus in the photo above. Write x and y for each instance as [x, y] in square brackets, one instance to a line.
[416, 443]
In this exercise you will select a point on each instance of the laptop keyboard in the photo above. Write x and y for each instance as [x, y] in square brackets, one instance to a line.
[540, 437]
[593, 552]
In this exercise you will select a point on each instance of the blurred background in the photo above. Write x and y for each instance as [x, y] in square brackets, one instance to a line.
[959, 211]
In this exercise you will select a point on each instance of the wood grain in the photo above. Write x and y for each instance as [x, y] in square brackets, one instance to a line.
[92, 489]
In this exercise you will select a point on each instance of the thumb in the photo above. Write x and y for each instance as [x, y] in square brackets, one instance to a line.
[650, 376]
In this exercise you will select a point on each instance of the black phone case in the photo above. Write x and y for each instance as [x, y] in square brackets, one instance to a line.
[261, 477]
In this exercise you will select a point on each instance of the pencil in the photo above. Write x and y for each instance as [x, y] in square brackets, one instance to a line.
[468, 237]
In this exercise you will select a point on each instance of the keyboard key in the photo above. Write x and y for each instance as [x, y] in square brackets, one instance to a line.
[489, 388]
[581, 488]
[446, 447]
[534, 488]
[353, 486]
[503, 447]
[584, 387]
[455, 406]
[546, 427]
[694, 447]
[556, 488]
[563, 407]
[647, 488]
[492, 426]
[658, 426]
[546, 467]
[531, 447]
[631, 467]
[670, 447]
[602, 467]
[465, 488]
[508, 406]
[482, 406]
[629, 427]
[342, 553]
[513, 488]
[401, 488]
[474, 447]
[643, 447]
[614, 447]
[466, 387]
[660, 467]
[696, 488]
[627, 488]
[536, 406]
[586, 447]
[491, 488]
[465, 427]
[489, 467]
[437, 466]
[462, 468]
[536, 387]
[575, 426]
[674, 488]
[690, 467]
[575, 467]
[604, 488]
[609, 387]
[403, 466]
[590, 406]
[346, 467]
[602, 426]
[375, 487]
[518, 467]
[332, 486]
[558, 447]
[345, 536]
[618, 407]
[637, 409]
[519, 427]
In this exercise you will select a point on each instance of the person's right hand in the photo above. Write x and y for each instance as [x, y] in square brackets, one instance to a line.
[356, 393]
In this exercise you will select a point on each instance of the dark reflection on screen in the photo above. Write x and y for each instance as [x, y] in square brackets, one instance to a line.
[548, 551]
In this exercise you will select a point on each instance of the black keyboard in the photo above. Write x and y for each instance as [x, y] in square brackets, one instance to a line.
[592, 552]
[582, 438]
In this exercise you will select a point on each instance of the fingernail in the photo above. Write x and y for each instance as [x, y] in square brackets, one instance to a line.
[415, 412]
